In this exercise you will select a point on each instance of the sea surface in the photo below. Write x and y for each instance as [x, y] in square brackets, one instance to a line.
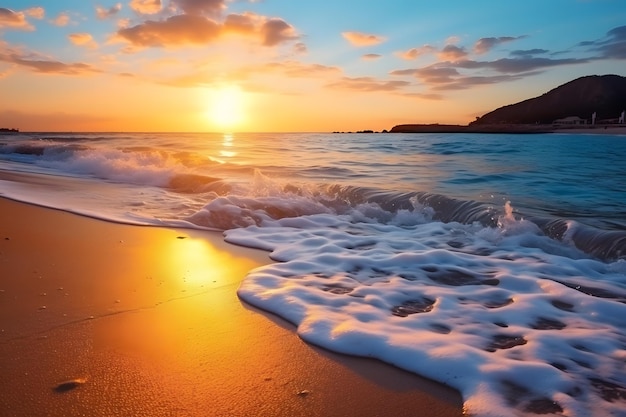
[494, 263]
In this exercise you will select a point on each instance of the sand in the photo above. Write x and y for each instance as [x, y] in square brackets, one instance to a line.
[103, 319]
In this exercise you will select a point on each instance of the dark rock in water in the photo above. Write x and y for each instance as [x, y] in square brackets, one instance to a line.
[413, 307]
[544, 323]
[505, 342]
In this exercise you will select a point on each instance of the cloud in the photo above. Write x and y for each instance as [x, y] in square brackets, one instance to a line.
[368, 84]
[197, 7]
[452, 53]
[528, 52]
[176, 30]
[51, 67]
[424, 96]
[484, 45]
[13, 20]
[434, 74]
[40, 64]
[83, 39]
[463, 83]
[103, 13]
[300, 48]
[36, 12]
[414, 53]
[519, 65]
[456, 71]
[62, 19]
[299, 69]
[451, 40]
[612, 46]
[146, 6]
[444, 76]
[362, 39]
[188, 29]
[276, 31]
[448, 76]
[371, 57]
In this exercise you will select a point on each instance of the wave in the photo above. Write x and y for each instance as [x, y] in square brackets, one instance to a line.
[230, 211]
[254, 198]
[607, 245]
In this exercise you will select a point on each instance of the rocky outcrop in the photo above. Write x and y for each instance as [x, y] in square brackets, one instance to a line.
[604, 95]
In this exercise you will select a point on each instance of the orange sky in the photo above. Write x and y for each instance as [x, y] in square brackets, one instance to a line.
[220, 65]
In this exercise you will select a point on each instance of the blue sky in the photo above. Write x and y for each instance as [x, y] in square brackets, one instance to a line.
[339, 62]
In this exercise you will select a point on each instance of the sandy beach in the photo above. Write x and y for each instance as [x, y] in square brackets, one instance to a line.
[103, 319]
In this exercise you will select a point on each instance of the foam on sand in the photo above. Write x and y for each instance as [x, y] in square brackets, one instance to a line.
[511, 318]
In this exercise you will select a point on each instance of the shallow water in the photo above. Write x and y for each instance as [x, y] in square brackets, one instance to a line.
[400, 247]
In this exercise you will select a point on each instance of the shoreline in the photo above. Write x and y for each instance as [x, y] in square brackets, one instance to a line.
[509, 128]
[100, 318]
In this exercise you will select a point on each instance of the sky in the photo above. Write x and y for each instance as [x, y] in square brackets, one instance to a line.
[291, 65]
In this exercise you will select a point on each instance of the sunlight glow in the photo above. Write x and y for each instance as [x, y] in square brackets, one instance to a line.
[226, 107]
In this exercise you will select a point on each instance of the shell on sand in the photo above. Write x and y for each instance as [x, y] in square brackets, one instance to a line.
[70, 384]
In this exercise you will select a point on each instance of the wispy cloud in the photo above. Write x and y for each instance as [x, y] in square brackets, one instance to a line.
[455, 69]
[299, 69]
[36, 12]
[62, 19]
[362, 39]
[300, 48]
[371, 57]
[415, 53]
[51, 67]
[104, 13]
[519, 65]
[528, 52]
[368, 84]
[484, 45]
[41, 64]
[612, 46]
[448, 75]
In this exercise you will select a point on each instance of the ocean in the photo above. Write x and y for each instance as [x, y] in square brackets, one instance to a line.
[494, 263]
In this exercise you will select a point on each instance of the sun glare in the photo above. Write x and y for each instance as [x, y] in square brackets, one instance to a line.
[226, 107]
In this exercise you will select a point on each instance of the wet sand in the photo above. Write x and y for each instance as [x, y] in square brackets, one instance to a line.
[103, 319]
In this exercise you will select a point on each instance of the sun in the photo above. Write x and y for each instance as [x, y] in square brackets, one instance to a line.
[226, 107]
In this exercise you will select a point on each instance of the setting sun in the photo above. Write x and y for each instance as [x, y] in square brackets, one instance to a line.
[226, 107]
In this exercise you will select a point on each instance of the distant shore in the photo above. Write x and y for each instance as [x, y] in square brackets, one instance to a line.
[508, 128]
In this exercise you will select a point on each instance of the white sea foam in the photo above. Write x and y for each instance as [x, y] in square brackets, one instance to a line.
[502, 314]
[142, 168]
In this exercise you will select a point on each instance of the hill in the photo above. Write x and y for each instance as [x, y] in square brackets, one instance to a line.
[603, 94]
